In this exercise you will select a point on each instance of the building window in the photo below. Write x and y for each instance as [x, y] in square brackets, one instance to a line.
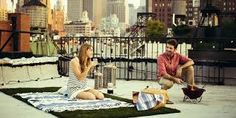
[169, 10]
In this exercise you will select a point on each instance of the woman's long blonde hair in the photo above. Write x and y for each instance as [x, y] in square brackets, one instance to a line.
[84, 60]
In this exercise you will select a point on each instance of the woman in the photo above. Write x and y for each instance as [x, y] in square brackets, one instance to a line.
[80, 66]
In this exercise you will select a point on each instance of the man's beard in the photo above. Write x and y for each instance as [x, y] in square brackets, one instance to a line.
[169, 53]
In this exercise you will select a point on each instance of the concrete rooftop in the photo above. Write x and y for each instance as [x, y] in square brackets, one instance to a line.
[217, 101]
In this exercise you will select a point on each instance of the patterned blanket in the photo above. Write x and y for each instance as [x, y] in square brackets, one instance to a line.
[52, 101]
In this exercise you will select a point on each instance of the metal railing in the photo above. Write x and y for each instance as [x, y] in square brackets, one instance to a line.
[136, 57]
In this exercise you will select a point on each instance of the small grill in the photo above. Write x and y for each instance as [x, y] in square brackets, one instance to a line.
[193, 94]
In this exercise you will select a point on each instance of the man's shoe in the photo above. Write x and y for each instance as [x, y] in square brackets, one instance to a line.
[169, 102]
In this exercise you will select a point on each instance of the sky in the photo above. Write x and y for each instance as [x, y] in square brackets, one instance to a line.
[135, 2]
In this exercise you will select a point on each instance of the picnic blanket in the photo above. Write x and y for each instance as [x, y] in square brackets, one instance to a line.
[52, 101]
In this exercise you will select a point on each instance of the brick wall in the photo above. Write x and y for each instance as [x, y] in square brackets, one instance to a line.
[5, 25]
[23, 24]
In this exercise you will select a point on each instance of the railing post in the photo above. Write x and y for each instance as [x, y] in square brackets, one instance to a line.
[128, 59]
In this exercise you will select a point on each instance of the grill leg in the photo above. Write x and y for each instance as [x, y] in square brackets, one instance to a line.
[185, 98]
[199, 99]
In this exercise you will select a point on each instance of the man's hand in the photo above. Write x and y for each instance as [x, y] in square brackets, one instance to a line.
[178, 81]
[179, 72]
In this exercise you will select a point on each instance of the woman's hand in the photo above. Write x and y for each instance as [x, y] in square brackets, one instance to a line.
[93, 63]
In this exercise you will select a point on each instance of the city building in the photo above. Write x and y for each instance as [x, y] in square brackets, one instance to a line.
[193, 12]
[132, 14]
[3, 10]
[141, 9]
[96, 10]
[58, 19]
[227, 8]
[74, 9]
[49, 12]
[120, 8]
[163, 11]
[179, 12]
[143, 6]
[3, 4]
[3, 14]
[143, 3]
[80, 27]
[149, 5]
[110, 26]
[33, 8]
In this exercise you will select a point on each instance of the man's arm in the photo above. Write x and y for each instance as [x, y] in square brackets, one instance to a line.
[180, 68]
[187, 64]
[172, 78]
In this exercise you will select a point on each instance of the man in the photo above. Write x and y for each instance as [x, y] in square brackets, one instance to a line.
[172, 66]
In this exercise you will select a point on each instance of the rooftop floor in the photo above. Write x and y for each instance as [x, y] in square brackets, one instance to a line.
[217, 101]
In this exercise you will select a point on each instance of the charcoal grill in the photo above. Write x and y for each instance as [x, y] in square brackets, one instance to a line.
[193, 95]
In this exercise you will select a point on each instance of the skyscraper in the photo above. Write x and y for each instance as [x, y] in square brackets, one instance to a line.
[143, 2]
[95, 9]
[120, 8]
[3, 4]
[133, 14]
[74, 9]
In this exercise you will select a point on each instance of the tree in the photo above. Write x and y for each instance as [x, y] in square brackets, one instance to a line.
[155, 28]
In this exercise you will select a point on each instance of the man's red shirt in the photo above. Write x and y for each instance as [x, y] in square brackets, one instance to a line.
[167, 64]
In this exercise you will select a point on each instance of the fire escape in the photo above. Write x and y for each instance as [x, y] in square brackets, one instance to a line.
[137, 32]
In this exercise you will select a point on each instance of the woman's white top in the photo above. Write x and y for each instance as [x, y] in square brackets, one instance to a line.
[74, 85]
